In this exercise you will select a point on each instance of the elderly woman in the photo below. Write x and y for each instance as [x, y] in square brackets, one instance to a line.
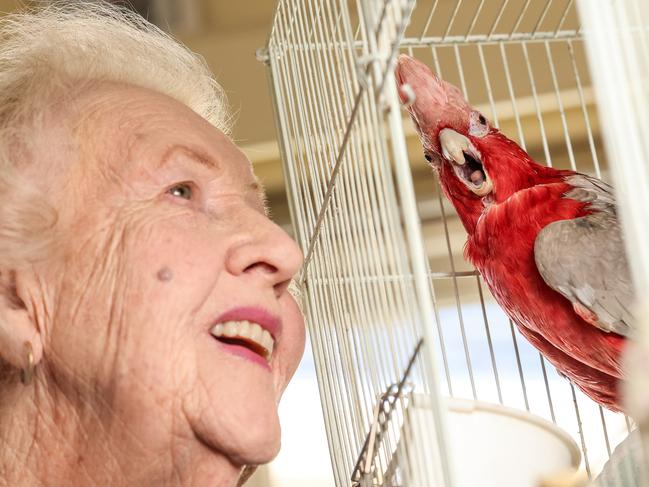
[146, 331]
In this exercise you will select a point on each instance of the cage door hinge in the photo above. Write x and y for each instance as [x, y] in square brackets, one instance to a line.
[366, 473]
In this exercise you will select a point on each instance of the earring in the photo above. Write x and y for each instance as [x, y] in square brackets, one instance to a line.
[26, 373]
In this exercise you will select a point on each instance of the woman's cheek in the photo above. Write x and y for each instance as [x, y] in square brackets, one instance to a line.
[293, 342]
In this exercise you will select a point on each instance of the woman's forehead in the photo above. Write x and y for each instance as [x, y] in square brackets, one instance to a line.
[133, 124]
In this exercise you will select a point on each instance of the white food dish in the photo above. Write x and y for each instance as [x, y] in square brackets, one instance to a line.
[496, 446]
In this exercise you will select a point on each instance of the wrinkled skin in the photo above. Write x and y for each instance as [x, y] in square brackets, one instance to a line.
[130, 387]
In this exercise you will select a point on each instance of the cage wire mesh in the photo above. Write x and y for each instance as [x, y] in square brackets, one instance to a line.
[393, 310]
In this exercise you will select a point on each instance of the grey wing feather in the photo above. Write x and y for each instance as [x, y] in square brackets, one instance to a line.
[626, 466]
[584, 258]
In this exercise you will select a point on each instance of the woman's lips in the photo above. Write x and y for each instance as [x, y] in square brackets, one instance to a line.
[245, 353]
[248, 332]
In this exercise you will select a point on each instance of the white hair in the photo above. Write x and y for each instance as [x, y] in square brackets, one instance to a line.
[44, 50]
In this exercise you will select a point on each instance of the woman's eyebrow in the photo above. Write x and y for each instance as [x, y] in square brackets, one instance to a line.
[193, 154]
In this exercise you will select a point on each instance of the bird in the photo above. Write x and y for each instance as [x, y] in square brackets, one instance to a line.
[547, 241]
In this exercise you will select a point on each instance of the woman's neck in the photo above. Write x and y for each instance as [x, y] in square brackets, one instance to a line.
[47, 441]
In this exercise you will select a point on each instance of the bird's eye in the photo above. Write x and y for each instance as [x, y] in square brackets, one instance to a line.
[427, 157]
[181, 190]
[478, 126]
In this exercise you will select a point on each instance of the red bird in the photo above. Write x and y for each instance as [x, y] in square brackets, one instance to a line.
[546, 241]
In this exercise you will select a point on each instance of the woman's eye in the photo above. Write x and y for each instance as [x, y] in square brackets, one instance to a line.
[182, 190]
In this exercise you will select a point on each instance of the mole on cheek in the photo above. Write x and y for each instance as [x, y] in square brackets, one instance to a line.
[164, 274]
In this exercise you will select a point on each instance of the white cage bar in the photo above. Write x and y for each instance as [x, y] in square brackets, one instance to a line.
[331, 71]
[383, 249]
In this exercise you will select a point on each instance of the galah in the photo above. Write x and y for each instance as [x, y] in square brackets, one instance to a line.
[546, 241]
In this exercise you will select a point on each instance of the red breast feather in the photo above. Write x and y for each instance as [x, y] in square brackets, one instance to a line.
[501, 247]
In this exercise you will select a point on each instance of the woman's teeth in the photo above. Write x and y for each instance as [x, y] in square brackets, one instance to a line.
[245, 331]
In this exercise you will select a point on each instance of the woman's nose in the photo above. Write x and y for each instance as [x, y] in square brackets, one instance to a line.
[266, 252]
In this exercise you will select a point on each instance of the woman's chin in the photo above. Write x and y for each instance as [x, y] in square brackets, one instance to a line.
[252, 440]
[254, 450]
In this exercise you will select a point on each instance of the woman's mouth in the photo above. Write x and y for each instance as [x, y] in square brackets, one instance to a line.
[246, 339]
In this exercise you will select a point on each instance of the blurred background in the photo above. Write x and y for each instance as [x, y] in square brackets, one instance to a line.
[228, 34]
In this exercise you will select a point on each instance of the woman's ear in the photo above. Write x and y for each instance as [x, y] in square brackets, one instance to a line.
[16, 325]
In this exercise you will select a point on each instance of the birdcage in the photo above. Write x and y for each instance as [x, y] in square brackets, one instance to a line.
[397, 319]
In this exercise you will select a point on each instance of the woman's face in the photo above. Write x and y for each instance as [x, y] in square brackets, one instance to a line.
[166, 242]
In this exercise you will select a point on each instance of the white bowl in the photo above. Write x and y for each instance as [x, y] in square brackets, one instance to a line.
[497, 446]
